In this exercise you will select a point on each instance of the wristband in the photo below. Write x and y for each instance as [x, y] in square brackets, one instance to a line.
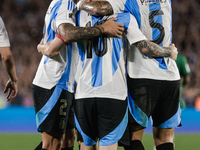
[60, 37]
[78, 5]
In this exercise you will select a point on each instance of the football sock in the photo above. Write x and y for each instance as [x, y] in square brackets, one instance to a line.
[137, 145]
[165, 146]
[70, 148]
[127, 147]
[39, 147]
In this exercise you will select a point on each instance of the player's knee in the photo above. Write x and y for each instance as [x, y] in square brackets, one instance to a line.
[69, 137]
[134, 128]
[52, 145]
[163, 136]
[51, 140]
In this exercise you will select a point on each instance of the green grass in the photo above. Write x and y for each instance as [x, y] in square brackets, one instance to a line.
[30, 141]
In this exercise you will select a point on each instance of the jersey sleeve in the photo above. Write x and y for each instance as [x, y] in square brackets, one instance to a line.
[65, 13]
[4, 40]
[117, 5]
[134, 34]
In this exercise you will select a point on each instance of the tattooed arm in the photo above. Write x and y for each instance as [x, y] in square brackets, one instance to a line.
[72, 33]
[100, 8]
[153, 50]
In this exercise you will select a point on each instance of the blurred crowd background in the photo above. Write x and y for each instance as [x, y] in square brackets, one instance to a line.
[24, 20]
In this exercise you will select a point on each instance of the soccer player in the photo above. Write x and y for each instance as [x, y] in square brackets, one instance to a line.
[8, 63]
[100, 101]
[53, 85]
[153, 83]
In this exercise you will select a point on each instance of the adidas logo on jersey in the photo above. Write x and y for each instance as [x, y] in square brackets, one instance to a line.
[147, 2]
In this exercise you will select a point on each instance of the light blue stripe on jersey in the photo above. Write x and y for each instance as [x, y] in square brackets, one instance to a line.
[114, 136]
[117, 45]
[82, 51]
[133, 7]
[139, 116]
[66, 74]
[156, 33]
[80, 45]
[71, 5]
[173, 121]
[97, 62]
[51, 33]
[43, 113]
[87, 140]
[117, 42]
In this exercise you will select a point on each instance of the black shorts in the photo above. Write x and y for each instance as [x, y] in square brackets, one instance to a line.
[54, 109]
[159, 99]
[100, 118]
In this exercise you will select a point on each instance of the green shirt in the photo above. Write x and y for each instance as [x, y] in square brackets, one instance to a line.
[184, 71]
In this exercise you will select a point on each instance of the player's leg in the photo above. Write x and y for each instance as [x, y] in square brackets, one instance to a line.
[68, 139]
[51, 141]
[163, 138]
[136, 137]
[166, 116]
[69, 136]
[86, 122]
[92, 147]
[112, 122]
[109, 147]
[51, 115]
[142, 97]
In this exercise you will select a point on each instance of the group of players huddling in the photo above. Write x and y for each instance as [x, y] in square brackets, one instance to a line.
[118, 59]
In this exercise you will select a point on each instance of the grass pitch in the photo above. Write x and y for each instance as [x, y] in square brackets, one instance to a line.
[30, 141]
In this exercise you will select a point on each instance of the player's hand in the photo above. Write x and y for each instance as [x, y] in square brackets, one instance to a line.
[41, 47]
[38, 46]
[112, 28]
[174, 52]
[11, 88]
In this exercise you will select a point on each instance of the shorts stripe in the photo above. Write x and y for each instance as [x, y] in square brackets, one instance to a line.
[87, 140]
[135, 111]
[173, 121]
[114, 136]
[46, 109]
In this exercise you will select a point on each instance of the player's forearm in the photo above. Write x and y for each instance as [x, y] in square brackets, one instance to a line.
[9, 65]
[153, 50]
[101, 8]
[52, 48]
[49, 52]
[72, 33]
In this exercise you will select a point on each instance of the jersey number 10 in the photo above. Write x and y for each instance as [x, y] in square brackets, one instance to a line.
[94, 43]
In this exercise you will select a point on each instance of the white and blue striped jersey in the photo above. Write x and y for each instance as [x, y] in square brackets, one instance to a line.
[4, 40]
[103, 59]
[58, 70]
[154, 18]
